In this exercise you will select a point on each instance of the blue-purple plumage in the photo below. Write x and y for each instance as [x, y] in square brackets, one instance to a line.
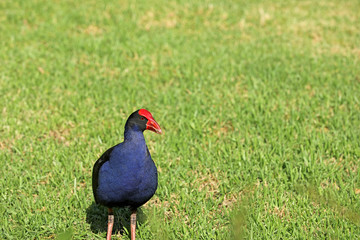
[125, 175]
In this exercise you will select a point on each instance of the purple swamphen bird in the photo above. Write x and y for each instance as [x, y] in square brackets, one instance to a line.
[125, 175]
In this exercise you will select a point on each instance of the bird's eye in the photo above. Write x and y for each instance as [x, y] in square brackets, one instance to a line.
[142, 118]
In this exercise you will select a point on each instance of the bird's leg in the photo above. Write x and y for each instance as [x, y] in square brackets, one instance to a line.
[110, 224]
[133, 223]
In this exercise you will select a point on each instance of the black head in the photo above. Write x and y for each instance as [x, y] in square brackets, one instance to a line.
[143, 120]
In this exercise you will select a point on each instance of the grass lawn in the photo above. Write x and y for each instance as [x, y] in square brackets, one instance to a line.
[259, 101]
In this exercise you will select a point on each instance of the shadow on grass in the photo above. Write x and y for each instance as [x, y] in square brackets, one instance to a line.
[97, 217]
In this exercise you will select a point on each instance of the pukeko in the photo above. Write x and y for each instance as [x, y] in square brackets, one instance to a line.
[125, 175]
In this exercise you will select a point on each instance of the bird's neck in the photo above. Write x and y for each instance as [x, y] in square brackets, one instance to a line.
[133, 134]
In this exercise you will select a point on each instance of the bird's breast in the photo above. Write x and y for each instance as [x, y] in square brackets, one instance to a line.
[127, 180]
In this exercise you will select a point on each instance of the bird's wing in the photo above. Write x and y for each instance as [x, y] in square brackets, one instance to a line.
[95, 175]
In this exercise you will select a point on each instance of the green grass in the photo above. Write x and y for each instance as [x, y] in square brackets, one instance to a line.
[259, 101]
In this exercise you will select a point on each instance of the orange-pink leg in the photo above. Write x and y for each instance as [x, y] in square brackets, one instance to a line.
[133, 224]
[110, 224]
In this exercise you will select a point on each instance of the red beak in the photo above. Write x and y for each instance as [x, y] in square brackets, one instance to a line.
[152, 125]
